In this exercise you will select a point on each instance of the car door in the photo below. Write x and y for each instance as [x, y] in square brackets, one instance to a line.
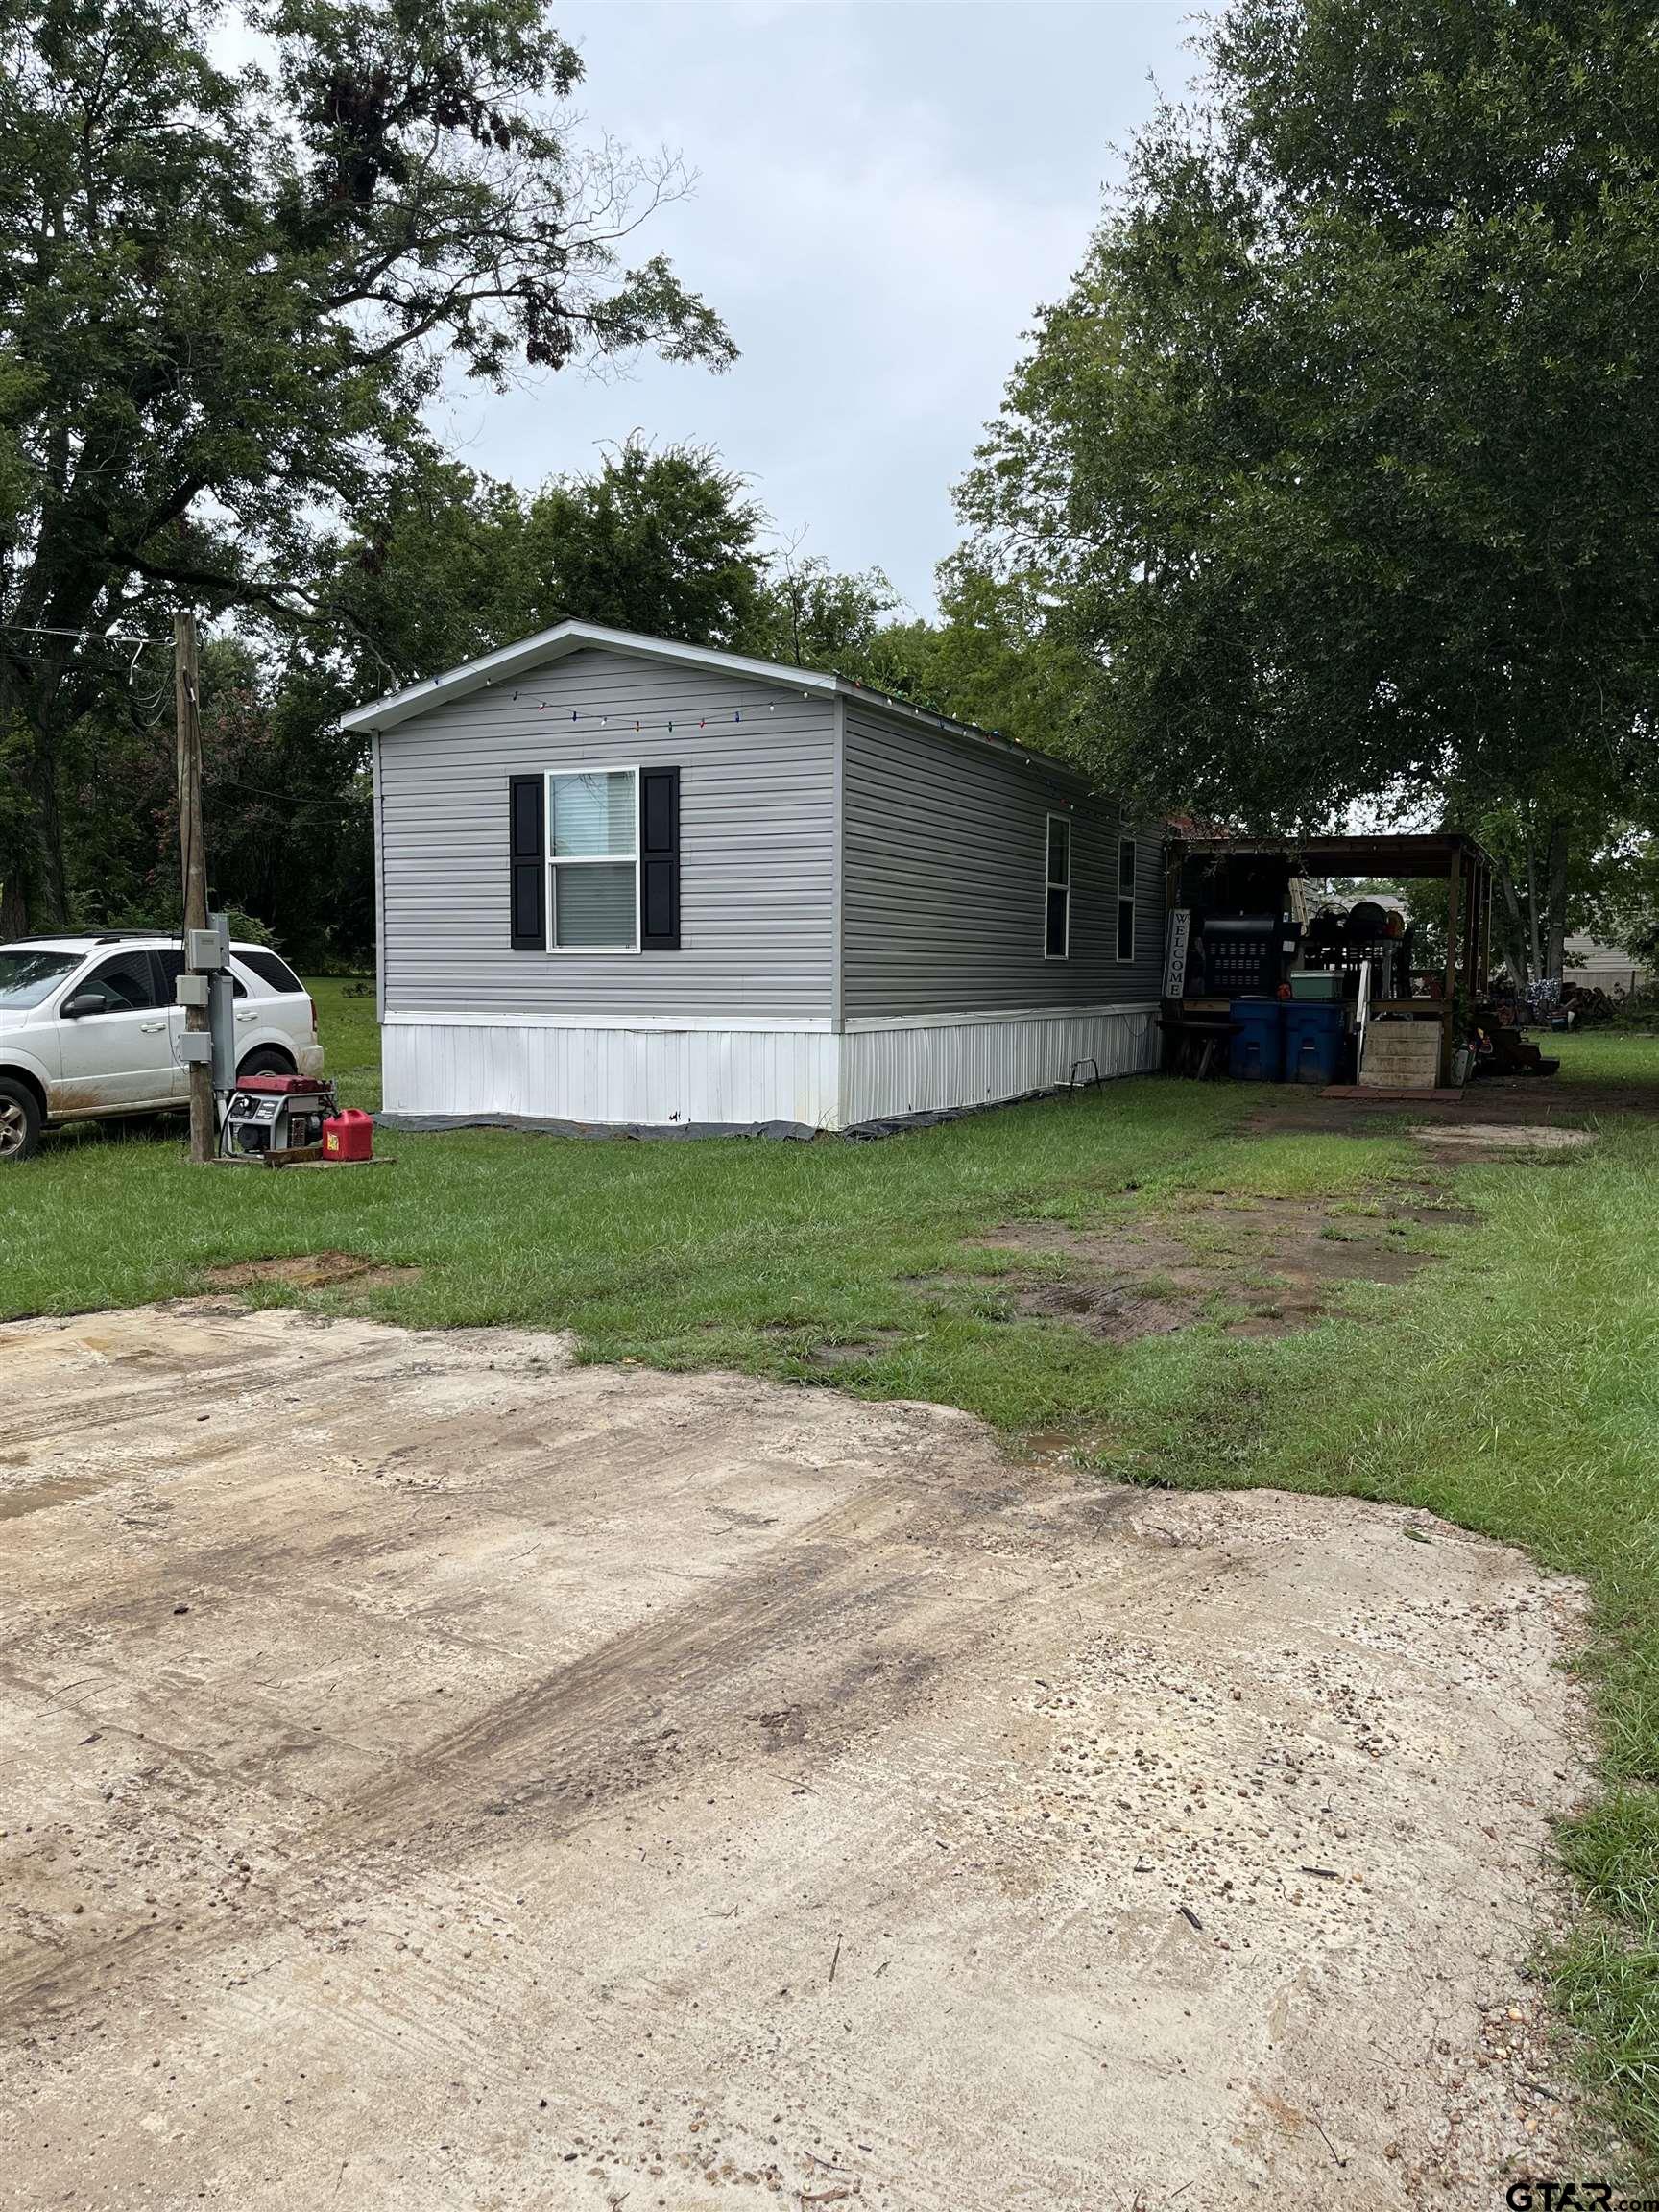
[121, 1055]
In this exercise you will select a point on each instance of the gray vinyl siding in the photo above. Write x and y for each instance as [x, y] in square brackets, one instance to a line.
[944, 859]
[757, 842]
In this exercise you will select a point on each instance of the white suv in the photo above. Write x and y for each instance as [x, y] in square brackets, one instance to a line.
[88, 1027]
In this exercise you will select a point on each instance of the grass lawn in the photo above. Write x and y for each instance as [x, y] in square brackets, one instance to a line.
[1513, 1387]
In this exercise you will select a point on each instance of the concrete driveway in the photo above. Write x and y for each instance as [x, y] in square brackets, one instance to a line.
[435, 1774]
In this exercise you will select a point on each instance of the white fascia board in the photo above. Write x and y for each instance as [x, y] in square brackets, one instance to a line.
[567, 638]
[556, 644]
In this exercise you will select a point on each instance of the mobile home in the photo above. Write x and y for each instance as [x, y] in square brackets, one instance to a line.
[627, 882]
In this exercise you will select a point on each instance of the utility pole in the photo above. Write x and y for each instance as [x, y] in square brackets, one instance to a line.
[192, 853]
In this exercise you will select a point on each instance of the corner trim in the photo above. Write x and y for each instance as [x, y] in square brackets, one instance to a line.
[838, 866]
[379, 878]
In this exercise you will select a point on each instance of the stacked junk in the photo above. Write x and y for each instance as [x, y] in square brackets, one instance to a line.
[1272, 984]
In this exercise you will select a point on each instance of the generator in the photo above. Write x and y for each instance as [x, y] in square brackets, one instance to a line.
[268, 1114]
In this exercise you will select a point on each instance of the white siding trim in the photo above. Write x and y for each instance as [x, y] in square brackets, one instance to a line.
[440, 1018]
[868, 1021]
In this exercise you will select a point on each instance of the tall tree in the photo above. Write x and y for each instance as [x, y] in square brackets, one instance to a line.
[226, 295]
[1337, 465]
[452, 566]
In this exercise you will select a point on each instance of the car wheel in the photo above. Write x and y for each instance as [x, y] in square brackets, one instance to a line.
[267, 1061]
[20, 1122]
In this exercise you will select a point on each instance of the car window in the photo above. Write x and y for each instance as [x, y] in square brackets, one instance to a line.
[269, 968]
[27, 976]
[173, 967]
[128, 981]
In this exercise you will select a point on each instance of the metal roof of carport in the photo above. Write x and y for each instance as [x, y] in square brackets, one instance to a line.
[1410, 853]
[566, 638]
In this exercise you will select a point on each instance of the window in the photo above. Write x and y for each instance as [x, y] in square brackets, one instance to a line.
[269, 968]
[27, 977]
[128, 983]
[1057, 914]
[173, 967]
[1125, 898]
[593, 859]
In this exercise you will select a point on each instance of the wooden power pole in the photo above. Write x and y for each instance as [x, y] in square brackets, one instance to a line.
[193, 853]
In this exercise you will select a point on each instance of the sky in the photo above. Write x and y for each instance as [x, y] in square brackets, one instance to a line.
[887, 193]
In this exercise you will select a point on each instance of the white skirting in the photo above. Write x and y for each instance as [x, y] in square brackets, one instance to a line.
[924, 1067]
[666, 1076]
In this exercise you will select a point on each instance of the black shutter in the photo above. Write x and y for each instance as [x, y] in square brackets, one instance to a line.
[659, 859]
[527, 862]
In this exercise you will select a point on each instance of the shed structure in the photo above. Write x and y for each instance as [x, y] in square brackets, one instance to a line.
[626, 881]
[1466, 870]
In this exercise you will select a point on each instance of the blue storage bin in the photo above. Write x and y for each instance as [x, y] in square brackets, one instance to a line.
[1258, 1054]
[1315, 1036]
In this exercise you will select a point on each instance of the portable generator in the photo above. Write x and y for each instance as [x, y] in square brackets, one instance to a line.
[275, 1114]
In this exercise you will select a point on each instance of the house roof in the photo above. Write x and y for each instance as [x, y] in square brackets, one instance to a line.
[566, 638]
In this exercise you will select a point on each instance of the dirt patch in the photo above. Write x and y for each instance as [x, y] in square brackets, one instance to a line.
[1116, 1313]
[446, 1774]
[856, 1353]
[1264, 1266]
[309, 1271]
[1493, 1140]
[1534, 1101]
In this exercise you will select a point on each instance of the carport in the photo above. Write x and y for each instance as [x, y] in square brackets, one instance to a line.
[1276, 862]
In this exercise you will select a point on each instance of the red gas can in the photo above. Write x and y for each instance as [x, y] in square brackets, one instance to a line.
[349, 1135]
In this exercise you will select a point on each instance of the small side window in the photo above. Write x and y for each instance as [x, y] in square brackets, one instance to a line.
[1057, 890]
[264, 964]
[1125, 898]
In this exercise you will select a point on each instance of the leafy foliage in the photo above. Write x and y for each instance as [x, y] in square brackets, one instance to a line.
[1336, 466]
[226, 296]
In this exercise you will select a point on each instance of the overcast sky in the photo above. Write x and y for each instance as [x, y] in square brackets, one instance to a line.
[886, 192]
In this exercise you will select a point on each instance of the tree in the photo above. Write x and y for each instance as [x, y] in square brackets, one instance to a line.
[665, 542]
[226, 295]
[1337, 466]
[806, 613]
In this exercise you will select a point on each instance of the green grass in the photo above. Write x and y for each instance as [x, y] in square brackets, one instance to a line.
[351, 1036]
[1514, 1389]
[1604, 1056]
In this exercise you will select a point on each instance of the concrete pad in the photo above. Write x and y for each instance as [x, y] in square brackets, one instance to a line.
[436, 1773]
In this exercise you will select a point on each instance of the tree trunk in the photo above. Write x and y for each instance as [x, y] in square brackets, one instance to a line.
[35, 890]
[1534, 936]
[1510, 923]
[1555, 896]
[36, 893]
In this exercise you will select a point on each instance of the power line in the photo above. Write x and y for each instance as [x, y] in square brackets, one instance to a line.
[102, 636]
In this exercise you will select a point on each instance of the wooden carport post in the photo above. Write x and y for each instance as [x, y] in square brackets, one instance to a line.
[1453, 878]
